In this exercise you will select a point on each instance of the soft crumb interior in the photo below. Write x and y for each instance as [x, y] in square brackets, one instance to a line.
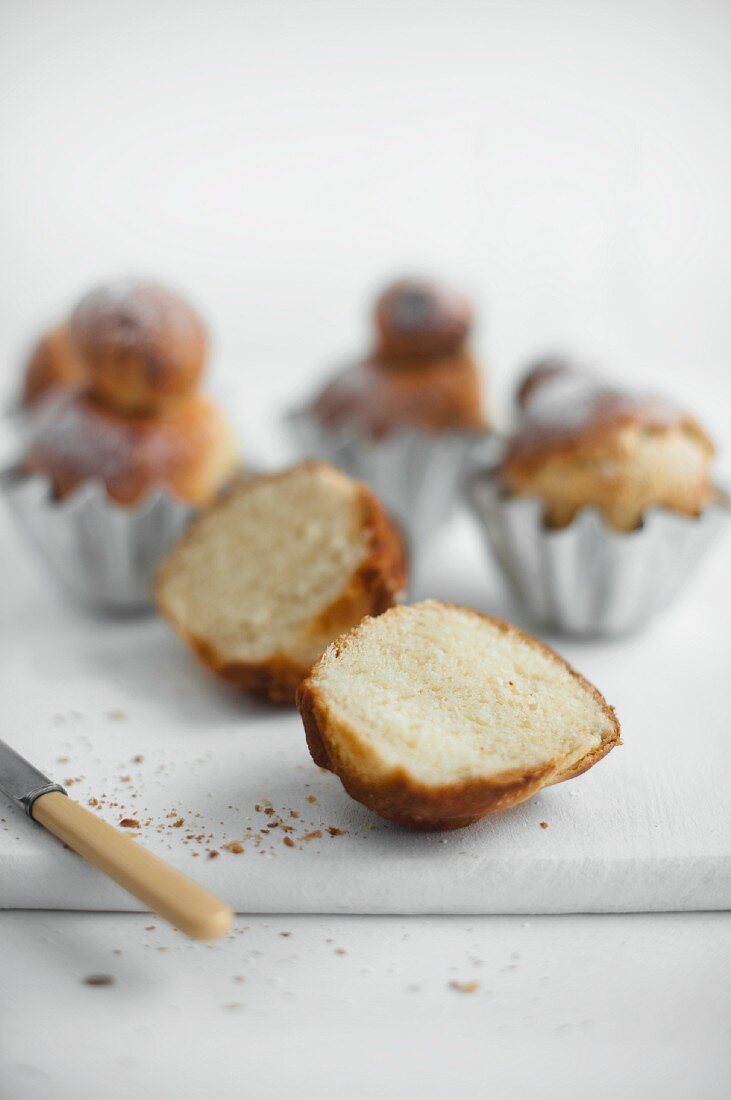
[448, 695]
[256, 570]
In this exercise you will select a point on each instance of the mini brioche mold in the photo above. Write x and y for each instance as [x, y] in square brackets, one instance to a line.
[102, 553]
[586, 579]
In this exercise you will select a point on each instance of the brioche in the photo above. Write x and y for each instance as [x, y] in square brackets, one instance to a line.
[259, 585]
[434, 715]
[584, 443]
[53, 365]
[136, 422]
[143, 345]
[188, 450]
[420, 375]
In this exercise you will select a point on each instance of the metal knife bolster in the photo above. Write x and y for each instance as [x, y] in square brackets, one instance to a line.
[21, 781]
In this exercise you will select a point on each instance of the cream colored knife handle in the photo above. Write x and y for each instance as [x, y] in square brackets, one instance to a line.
[160, 887]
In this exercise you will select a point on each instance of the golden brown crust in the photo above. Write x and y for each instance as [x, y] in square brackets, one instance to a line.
[569, 412]
[373, 400]
[584, 443]
[420, 376]
[190, 450]
[420, 319]
[143, 346]
[376, 585]
[395, 794]
[53, 365]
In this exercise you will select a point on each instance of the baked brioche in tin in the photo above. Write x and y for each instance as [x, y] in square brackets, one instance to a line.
[582, 442]
[420, 375]
[137, 421]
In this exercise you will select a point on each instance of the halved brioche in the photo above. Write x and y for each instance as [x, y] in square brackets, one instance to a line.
[261, 583]
[434, 715]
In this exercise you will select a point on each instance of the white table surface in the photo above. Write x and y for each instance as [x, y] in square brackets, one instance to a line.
[121, 709]
[604, 1007]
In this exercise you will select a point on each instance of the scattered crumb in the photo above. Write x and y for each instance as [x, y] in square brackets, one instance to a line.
[212, 854]
[234, 847]
[340, 951]
[285, 933]
[93, 802]
[311, 798]
[99, 979]
[239, 978]
[129, 823]
[62, 759]
[336, 832]
[117, 951]
[232, 1005]
[137, 759]
[465, 987]
[314, 835]
[178, 824]
[150, 927]
[544, 824]
[116, 715]
[125, 779]
[288, 841]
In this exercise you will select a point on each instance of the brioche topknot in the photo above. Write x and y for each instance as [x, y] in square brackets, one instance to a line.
[418, 318]
[143, 346]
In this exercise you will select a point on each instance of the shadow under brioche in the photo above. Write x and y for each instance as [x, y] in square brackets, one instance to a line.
[260, 584]
[137, 421]
[582, 442]
[434, 716]
[420, 374]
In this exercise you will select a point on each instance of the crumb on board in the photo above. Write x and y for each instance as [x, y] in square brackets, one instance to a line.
[129, 823]
[98, 979]
[544, 824]
[465, 987]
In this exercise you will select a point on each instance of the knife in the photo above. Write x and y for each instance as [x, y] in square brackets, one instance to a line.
[167, 892]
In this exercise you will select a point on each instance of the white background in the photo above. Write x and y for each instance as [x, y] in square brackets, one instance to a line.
[568, 164]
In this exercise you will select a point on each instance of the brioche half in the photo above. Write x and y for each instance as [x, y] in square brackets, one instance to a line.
[434, 715]
[260, 584]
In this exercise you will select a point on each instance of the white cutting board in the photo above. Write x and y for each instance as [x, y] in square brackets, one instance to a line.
[648, 829]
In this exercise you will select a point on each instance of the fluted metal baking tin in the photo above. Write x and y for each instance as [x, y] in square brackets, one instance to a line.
[418, 477]
[103, 553]
[585, 579]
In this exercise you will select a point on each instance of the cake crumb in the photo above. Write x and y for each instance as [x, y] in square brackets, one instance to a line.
[99, 979]
[333, 831]
[234, 847]
[288, 841]
[465, 987]
[212, 854]
[314, 835]
[544, 824]
[129, 823]
[116, 715]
